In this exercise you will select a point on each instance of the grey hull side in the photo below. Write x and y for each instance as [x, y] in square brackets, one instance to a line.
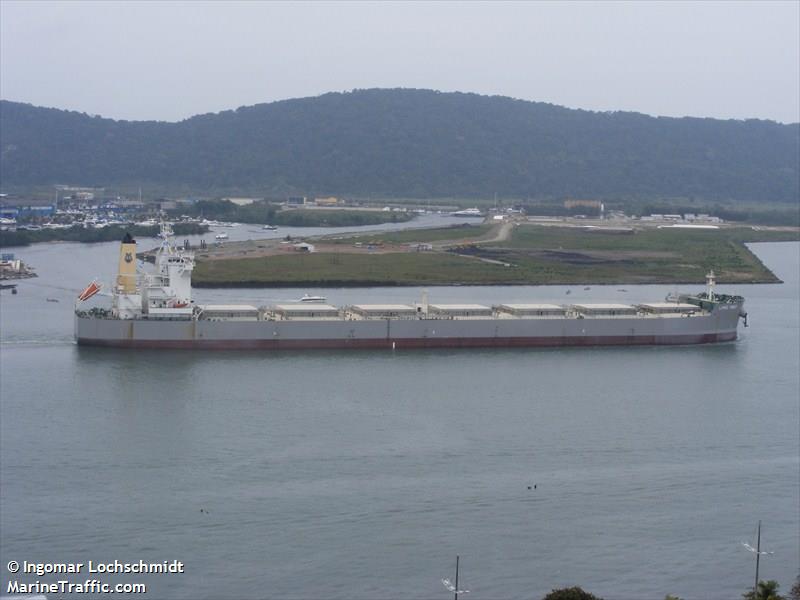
[719, 326]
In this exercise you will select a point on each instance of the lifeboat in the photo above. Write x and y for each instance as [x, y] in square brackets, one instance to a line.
[90, 291]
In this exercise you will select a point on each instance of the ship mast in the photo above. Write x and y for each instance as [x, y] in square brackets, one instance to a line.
[710, 283]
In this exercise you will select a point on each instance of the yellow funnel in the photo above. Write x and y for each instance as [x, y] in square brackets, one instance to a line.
[126, 277]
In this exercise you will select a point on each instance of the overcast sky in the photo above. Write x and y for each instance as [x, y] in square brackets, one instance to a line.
[172, 60]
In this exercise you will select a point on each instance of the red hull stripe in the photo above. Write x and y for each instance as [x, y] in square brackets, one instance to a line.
[402, 344]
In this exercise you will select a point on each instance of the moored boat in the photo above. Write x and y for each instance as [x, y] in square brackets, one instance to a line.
[467, 212]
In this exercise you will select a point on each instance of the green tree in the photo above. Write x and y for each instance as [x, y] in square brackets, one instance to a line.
[573, 593]
[767, 590]
[794, 594]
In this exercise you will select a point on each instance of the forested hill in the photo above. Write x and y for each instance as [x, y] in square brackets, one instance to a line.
[409, 143]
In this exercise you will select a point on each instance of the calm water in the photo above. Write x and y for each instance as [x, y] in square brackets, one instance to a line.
[362, 475]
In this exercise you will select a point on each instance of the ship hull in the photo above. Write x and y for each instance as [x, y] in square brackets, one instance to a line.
[719, 326]
[531, 342]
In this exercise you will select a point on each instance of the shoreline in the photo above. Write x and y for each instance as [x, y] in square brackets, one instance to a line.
[384, 284]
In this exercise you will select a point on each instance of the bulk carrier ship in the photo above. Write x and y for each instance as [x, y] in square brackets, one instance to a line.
[155, 310]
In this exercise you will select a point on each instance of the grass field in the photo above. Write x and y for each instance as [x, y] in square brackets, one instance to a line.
[427, 268]
[652, 255]
[408, 236]
[533, 236]
[536, 255]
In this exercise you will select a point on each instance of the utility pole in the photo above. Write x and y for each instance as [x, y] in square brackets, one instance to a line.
[758, 558]
[456, 592]
[454, 588]
[758, 552]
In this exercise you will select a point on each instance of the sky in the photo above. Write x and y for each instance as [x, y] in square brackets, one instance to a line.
[171, 60]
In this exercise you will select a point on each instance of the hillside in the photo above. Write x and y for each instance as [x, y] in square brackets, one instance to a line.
[409, 143]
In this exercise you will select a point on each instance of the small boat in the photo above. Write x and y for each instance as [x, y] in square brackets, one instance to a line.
[467, 212]
[307, 298]
[221, 236]
[270, 228]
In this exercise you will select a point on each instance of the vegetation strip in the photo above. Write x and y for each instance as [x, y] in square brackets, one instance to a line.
[78, 233]
[263, 212]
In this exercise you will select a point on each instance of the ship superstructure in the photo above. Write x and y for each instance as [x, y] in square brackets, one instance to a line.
[155, 310]
[165, 292]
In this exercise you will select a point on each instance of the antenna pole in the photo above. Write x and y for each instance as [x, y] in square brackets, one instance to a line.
[456, 598]
[758, 557]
